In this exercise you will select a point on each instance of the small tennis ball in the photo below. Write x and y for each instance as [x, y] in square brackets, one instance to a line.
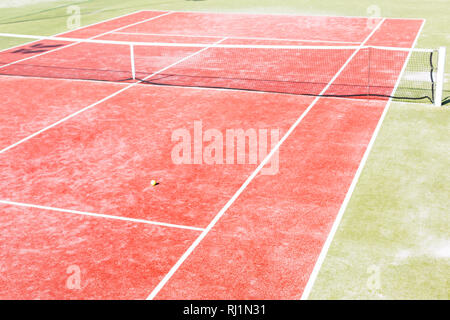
[153, 182]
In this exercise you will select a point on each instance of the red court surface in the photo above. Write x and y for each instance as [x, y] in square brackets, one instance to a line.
[77, 158]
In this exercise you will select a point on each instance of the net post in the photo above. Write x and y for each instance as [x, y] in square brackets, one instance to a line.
[440, 77]
[133, 67]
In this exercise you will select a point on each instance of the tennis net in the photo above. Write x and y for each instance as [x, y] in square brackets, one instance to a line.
[330, 71]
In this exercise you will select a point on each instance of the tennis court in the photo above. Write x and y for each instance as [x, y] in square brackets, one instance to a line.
[79, 147]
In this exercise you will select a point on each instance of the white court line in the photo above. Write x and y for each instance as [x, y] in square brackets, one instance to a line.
[181, 87]
[337, 221]
[91, 38]
[241, 38]
[286, 14]
[106, 98]
[188, 252]
[100, 215]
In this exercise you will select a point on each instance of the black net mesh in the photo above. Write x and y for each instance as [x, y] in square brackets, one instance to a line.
[314, 71]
